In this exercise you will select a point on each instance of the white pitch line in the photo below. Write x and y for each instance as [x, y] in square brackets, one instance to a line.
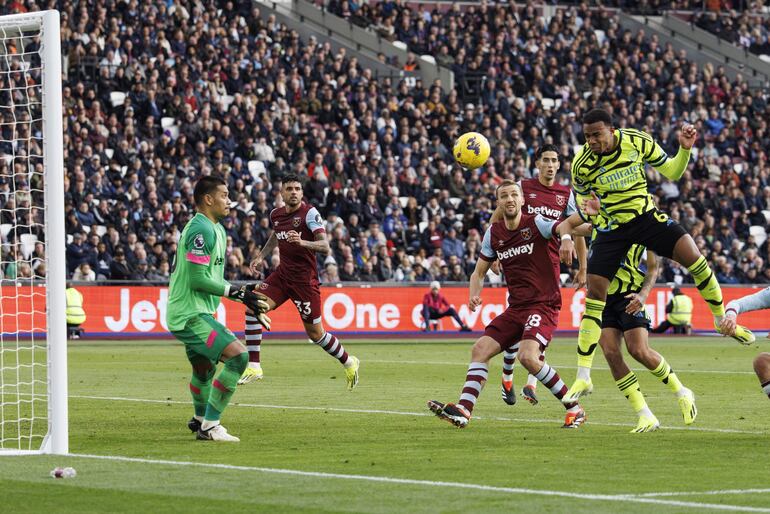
[704, 493]
[431, 483]
[557, 366]
[407, 413]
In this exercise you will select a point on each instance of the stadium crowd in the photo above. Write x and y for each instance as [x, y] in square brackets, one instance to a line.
[233, 92]
[749, 29]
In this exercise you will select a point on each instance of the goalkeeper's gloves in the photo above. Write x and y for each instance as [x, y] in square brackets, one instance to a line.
[254, 301]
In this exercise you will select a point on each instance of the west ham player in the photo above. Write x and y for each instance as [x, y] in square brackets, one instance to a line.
[299, 232]
[542, 195]
[197, 284]
[520, 242]
[752, 302]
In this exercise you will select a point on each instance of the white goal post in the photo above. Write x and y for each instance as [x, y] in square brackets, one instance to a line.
[33, 331]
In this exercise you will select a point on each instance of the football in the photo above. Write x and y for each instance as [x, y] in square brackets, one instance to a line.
[471, 150]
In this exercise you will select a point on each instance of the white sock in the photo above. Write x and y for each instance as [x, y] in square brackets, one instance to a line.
[207, 424]
[199, 418]
[255, 365]
[645, 411]
[682, 392]
[349, 362]
[584, 373]
[532, 381]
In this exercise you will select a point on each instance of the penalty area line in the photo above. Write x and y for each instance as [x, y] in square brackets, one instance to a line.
[407, 413]
[428, 483]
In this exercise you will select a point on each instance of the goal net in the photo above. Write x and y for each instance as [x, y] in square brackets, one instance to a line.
[33, 333]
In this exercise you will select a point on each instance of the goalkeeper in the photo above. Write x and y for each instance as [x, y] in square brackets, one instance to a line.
[610, 181]
[197, 284]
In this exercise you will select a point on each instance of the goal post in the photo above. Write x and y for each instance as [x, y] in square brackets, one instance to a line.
[33, 330]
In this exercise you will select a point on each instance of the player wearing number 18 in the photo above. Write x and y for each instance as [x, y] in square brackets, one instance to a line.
[520, 242]
[610, 181]
[299, 233]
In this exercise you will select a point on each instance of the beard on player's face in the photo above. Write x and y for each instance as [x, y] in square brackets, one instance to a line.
[511, 209]
[292, 199]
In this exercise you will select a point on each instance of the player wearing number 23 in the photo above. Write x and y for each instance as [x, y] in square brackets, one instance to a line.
[298, 232]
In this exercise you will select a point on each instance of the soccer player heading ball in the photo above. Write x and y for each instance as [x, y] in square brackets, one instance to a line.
[610, 181]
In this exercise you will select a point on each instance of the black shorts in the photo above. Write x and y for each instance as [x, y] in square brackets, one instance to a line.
[615, 316]
[653, 229]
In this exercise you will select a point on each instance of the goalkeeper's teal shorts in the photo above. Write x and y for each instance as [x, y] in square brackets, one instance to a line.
[204, 336]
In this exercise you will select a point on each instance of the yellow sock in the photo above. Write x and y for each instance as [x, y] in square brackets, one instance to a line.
[629, 386]
[667, 376]
[708, 287]
[590, 331]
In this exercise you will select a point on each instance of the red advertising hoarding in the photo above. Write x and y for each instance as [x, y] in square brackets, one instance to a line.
[141, 310]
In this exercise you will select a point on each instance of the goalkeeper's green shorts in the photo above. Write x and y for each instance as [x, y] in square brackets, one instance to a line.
[202, 335]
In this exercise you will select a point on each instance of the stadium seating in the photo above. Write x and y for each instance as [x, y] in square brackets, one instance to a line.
[242, 106]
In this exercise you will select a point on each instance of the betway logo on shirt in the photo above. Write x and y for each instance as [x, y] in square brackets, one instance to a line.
[283, 235]
[544, 211]
[516, 250]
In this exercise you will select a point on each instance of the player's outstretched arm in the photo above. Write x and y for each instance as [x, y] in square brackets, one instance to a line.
[674, 168]
[565, 230]
[476, 283]
[637, 300]
[582, 231]
[580, 245]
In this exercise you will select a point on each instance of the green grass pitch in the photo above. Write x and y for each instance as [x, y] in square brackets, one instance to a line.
[308, 445]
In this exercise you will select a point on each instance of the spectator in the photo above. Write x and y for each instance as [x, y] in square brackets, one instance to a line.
[367, 273]
[349, 272]
[119, 269]
[420, 273]
[84, 273]
[76, 252]
[451, 245]
[330, 274]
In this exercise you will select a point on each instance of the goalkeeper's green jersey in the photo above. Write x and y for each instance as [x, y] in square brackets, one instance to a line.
[619, 178]
[197, 283]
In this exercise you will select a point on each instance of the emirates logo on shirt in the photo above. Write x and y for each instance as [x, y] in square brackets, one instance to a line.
[296, 222]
